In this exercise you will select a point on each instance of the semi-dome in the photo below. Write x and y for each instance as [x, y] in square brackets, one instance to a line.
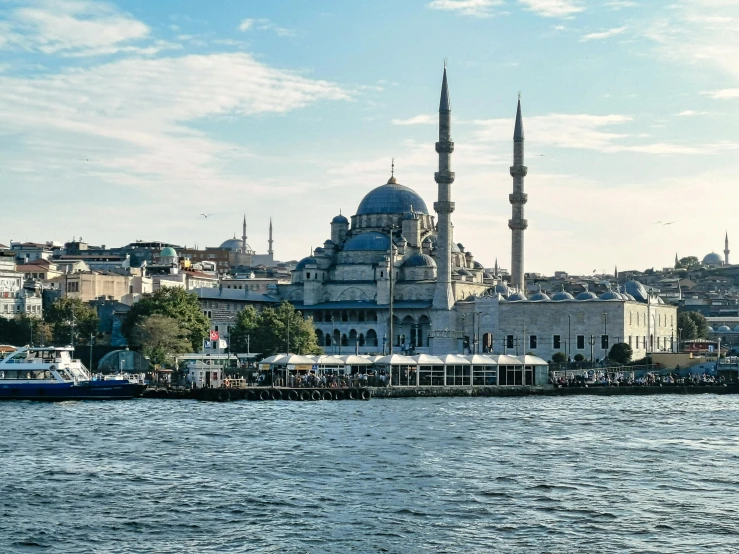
[419, 260]
[724, 329]
[310, 260]
[370, 241]
[713, 259]
[392, 198]
[340, 219]
[562, 295]
[168, 252]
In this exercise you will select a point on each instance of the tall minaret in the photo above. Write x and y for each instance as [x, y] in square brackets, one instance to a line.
[726, 249]
[517, 224]
[443, 296]
[270, 251]
[243, 236]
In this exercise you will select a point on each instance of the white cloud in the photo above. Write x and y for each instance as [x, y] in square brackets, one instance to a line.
[77, 27]
[604, 34]
[620, 4]
[724, 94]
[265, 25]
[423, 119]
[685, 34]
[553, 8]
[690, 113]
[475, 8]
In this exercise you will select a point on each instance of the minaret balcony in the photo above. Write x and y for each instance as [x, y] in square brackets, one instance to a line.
[445, 147]
[518, 224]
[518, 198]
[519, 171]
[444, 207]
[444, 177]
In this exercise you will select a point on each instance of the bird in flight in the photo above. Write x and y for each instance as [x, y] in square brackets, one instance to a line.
[664, 222]
[206, 215]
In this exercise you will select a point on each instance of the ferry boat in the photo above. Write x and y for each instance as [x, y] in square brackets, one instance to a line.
[50, 373]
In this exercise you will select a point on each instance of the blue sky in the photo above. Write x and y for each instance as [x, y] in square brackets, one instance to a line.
[127, 120]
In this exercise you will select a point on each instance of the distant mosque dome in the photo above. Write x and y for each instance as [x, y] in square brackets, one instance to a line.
[419, 260]
[724, 329]
[392, 198]
[517, 297]
[713, 259]
[369, 241]
[168, 252]
[562, 295]
[636, 290]
[340, 219]
[234, 244]
[586, 295]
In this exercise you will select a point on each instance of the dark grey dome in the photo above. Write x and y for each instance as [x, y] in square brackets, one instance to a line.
[724, 329]
[463, 271]
[517, 297]
[636, 290]
[611, 295]
[370, 241]
[340, 219]
[477, 265]
[310, 260]
[392, 198]
[713, 259]
[540, 296]
[419, 260]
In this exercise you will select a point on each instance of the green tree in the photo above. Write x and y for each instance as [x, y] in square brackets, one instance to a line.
[688, 262]
[268, 331]
[175, 303]
[160, 338]
[559, 357]
[242, 333]
[621, 353]
[66, 315]
[23, 329]
[691, 325]
[579, 357]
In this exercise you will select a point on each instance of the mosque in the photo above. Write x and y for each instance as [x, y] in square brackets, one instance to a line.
[393, 278]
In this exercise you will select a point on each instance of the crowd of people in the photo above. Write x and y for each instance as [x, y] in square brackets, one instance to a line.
[628, 379]
[325, 380]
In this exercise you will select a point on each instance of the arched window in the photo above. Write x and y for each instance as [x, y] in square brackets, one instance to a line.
[344, 340]
[371, 338]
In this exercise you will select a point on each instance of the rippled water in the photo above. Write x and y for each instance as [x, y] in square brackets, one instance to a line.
[585, 474]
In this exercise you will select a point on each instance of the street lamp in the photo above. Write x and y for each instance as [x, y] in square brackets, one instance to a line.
[605, 335]
[384, 340]
[475, 336]
[569, 337]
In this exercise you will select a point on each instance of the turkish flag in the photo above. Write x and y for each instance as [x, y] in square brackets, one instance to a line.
[214, 335]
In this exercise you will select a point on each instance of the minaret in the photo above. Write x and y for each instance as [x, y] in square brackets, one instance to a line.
[243, 236]
[443, 296]
[517, 224]
[726, 249]
[270, 251]
[677, 262]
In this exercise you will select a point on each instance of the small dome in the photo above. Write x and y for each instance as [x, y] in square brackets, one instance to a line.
[724, 329]
[611, 295]
[391, 198]
[517, 297]
[455, 249]
[503, 289]
[427, 240]
[539, 296]
[477, 265]
[168, 252]
[636, 290]
[401, 241]
[460, 246]
[713, 259]
[586, 295]
[463, 271]
[736, 329]
[370, 241]
[562, 295]
[710, 329]
[340, 219]
[419, 260]
[310, 260]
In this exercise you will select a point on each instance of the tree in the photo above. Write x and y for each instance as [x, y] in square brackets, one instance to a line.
[689, 262]
[175, 303]
[23, 329]
[269, 329]
[559, 357]
[579, 358]
[160, 338]
[242, 334]
[621, 353]
[691, 325]
[67, 315]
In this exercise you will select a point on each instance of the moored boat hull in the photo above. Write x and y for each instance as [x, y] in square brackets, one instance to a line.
[95, 390]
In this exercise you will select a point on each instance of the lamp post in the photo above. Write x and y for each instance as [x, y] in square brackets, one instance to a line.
[476, 335]
[333, 335]
[384, 340]
[391, 276]
[569, 337]
[605, 335]
[92, 338]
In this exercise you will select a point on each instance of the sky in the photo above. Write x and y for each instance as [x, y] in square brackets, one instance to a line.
[129, 120]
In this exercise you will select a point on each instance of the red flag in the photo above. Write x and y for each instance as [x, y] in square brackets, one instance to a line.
[214, 335]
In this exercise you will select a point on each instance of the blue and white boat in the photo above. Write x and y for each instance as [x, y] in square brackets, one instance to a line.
[50, 373]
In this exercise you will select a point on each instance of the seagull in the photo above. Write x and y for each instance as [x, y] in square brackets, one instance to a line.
[206, 215]
[669, 223]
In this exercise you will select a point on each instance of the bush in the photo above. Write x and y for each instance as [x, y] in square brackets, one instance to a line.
[559, 357]
[579, 357]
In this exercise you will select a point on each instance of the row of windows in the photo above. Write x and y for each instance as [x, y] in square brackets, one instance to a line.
[660, 319]
[31, 308]
[511, 341]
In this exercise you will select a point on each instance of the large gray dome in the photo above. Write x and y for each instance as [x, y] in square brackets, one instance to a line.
[713, 259]
[392, 198]
[419, 260]
[370, 241]
[233, 244]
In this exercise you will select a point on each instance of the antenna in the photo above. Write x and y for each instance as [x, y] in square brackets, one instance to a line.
[392, 168]
[519, 95]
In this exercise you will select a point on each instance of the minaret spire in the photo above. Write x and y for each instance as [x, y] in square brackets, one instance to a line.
[443, 295]
[726, 249]
[269, 250]
[243, 236]
[517, 224]
[677, 262]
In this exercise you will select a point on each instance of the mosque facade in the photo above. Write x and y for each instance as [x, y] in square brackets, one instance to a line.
[393, 256]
